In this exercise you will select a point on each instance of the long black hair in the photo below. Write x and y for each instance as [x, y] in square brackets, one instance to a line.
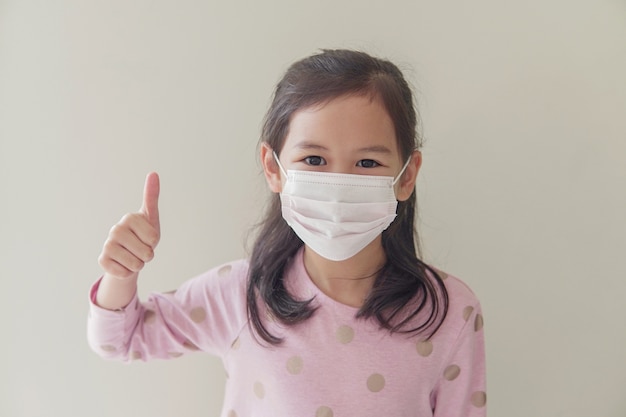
[405, 287]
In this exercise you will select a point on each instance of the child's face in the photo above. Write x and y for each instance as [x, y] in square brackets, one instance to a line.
[349, 134]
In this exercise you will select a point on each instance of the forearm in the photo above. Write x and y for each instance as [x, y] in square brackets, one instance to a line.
[115, 293]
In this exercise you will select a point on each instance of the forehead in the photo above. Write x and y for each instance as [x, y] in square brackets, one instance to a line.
[352, 121]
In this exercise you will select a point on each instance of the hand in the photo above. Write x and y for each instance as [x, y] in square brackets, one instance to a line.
[132, 241]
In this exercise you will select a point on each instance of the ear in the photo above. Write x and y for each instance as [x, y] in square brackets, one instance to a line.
[406, 184]
[271, 168]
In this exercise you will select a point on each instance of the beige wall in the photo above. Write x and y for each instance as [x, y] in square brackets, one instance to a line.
[522, 190]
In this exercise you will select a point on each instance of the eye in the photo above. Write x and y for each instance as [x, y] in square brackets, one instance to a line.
[367, 163]
[314, 160]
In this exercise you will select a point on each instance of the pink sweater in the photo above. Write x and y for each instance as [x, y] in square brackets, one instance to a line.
[332, 365]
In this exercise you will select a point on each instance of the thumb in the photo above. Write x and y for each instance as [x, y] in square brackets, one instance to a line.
[150, 206]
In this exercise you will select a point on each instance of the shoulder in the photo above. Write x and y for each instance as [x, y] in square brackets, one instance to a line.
[215, 301]
[225, 283]
[464, 308]
[459, 291]
[229, 274]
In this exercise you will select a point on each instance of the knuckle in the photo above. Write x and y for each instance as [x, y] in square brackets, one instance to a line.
[138, 265]
[153, 238]
[126, 218]
[129, 218]
[108, 248]
[132, 263]
[116, 231]
[103, 260]
[109, 266]
[149, 255]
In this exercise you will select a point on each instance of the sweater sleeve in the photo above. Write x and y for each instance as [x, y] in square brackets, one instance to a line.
[206, 313]
[461, 391]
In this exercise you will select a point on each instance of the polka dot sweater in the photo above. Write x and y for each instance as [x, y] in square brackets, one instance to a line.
[332, 365]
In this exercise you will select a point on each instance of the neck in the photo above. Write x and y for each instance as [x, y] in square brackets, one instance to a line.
[350, 281]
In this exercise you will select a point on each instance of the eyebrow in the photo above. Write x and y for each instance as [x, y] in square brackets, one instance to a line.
[376, 148]
[310, 145]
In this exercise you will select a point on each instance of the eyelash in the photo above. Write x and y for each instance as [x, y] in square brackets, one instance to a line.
[360, 163]
[308, 159]
[321, 162]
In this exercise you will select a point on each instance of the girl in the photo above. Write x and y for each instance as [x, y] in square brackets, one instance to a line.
[333, 314]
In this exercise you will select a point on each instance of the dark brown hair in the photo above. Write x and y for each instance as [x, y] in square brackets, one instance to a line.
[405, 286]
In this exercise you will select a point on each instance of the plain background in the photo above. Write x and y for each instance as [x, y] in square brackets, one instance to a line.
[522, 192]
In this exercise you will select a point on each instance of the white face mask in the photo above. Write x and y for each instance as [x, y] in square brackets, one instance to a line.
[337, 215]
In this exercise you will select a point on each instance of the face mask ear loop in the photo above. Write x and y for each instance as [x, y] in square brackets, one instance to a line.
[406, 164]
[279, 165]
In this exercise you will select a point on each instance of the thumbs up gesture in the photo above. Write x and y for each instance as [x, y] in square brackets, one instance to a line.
[132, 241]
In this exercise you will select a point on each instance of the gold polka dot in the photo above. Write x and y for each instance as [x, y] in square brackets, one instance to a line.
[236, 344]
[136, 355]
[190, 345]
[344, 334]
[376, 382]
[451, 372]
[425, 348]
[259, 389]
[198, 314]
[479, 399]
[149, 316]
[478, 322]
[442, 274]
[324, 411]
[467, 312]
[108, 348]
[294, 365]
[224, 270]
[174, 354]
[232, 413]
